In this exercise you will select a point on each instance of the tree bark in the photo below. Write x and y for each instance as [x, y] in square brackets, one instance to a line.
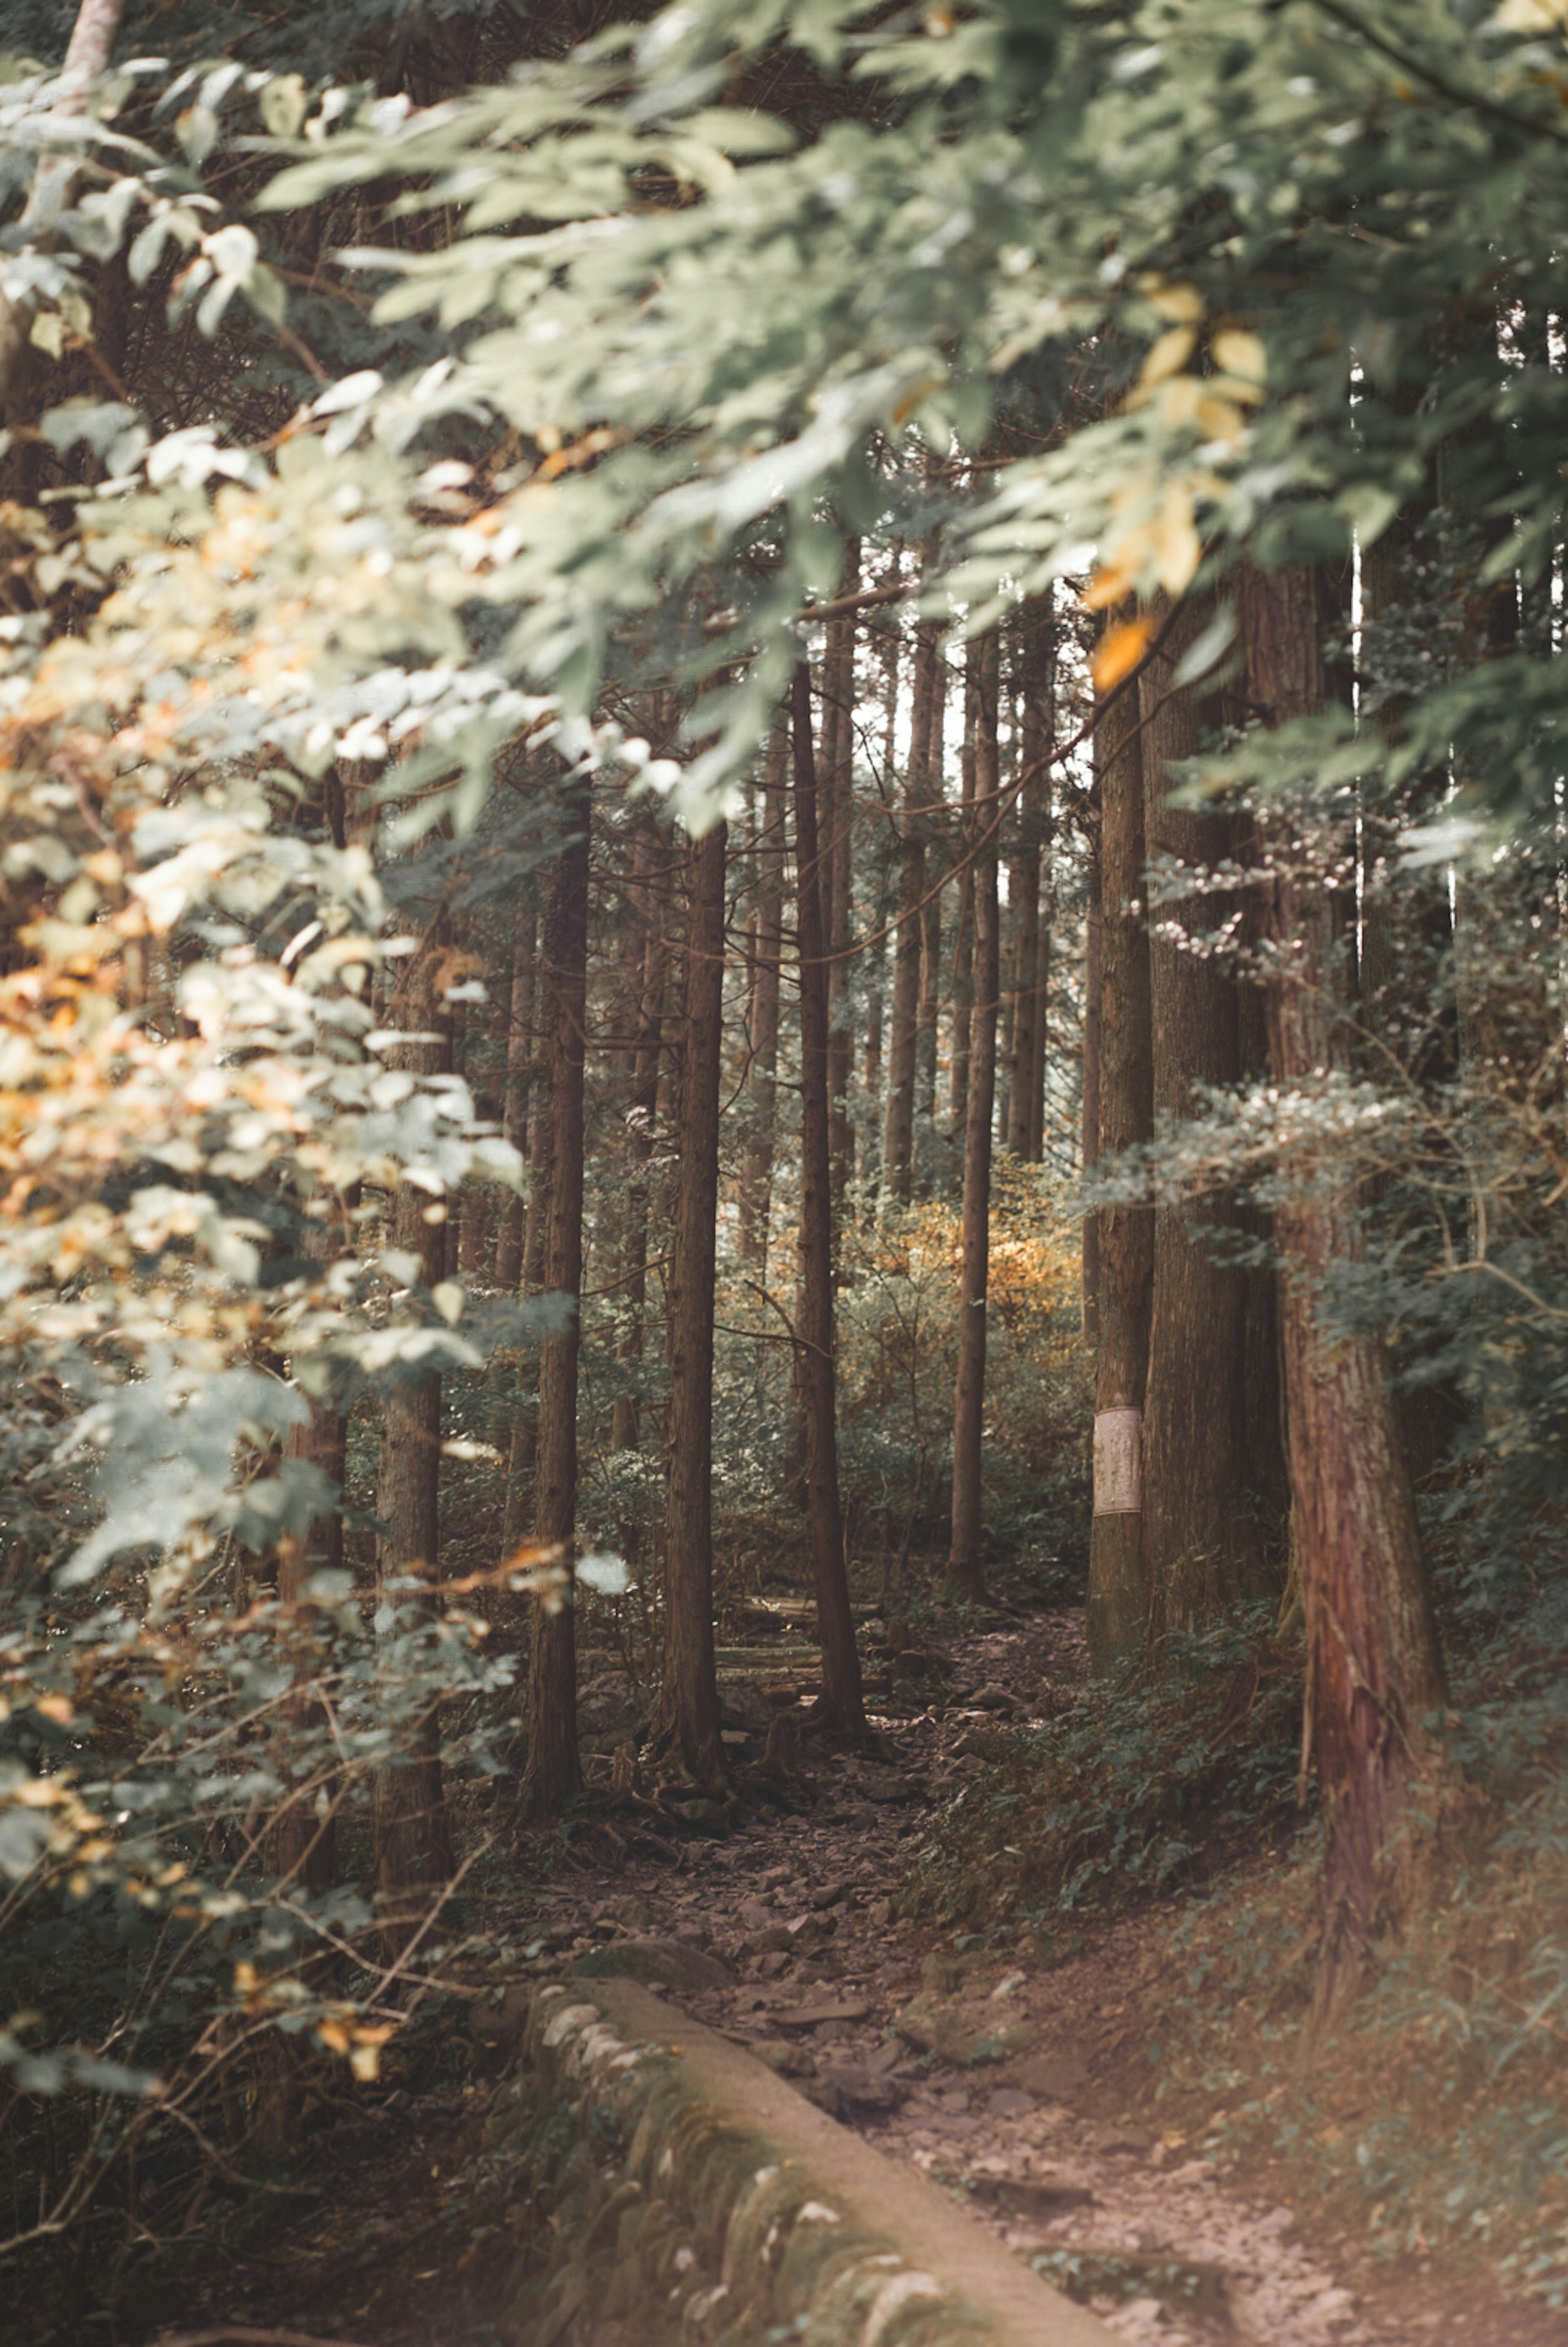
[838, 869]
[842, 1702]
[412, 1840]
[554, 1772]
[519, 1077]
[930, 1013]
[1373, 1670]
[898, 1124]
[761, 1081]
[642, 1119]
[1118, 1601]
[689, 1712]
[1025, 1098]
[963, 936]
[965, 1560]
[1090, 1133]
[1204, 1541]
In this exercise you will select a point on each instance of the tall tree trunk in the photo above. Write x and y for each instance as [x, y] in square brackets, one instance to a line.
[642, 1118]
[1117, 1596]
[963, 936]
[842, 1702]
[304, 1846]
[554, 1772]
[1089, 1155]
[519, 1074]
[1025, 1103]
[930, 1014]
[839, 865]
[898, 1123]
[689, 1716]
[1204, 1543]
[1373, 1670]
[964, 1564]
[761, 1081]
[412, 1840]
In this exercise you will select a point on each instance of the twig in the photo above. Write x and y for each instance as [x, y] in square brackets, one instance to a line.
[247, 2334]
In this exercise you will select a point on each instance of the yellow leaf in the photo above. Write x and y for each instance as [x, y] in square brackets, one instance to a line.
[1242, 354]
[365, 2062]
[334, 2034]
[1119, 650]
[57, 1707]
[1175, 547]
[1109, 586]
[1179, 306]
[1168, 355]
[244, 1980]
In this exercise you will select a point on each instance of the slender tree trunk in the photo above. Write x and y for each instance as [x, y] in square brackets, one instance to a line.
[554, 1772]
[963, 937]
[519, 1074]
[928, 1022]
[1203, 1539]
[1090, 1146]
[642, 1118]
[304, 1846]
[898, 1125]
[842, 1703]
[1032, 940]
[1373, 1670]
[690, 1720]
[839, 865]
[1118, 1601]
[964, 1563]
[412, 1840]
[761, 1081]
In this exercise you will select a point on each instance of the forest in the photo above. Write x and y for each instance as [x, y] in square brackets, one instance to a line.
[783, 1157]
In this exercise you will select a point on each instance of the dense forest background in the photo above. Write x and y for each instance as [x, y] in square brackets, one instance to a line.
[783, 825]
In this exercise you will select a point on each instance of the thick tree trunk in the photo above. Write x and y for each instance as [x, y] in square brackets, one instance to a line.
[964, 1562]
[689, 1712]
[554, 1772]
[412, 1840]
[1118, 1603]
[838, 872]
[842, 1702]
[1373, 1670]
[898, 1123]
[1204, 1541]
[761, 1081]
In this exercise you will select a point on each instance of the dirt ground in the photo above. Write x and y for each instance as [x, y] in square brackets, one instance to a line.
[1022, 2089]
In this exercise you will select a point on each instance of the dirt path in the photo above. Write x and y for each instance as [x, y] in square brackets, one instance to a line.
[875, 2018]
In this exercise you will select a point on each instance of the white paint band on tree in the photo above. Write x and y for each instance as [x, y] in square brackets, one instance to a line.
[1118, 1462]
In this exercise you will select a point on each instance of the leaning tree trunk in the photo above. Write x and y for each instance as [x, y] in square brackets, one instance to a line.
[963, 1564]
[689, 1712]
[554, 1772]
[1203, 1540]
[761, 1079]
[1118, 1603]
[1373, 1671]
[842, 1702]
[412, 1840]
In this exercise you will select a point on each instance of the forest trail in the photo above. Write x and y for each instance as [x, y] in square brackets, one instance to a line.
[779, 1937]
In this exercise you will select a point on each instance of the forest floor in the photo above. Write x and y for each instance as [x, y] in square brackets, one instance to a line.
[1028, 2090]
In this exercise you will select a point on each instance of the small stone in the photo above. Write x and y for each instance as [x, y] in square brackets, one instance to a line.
[771, 1965]
[788, 2061]
[880, 1914]
[991, 1698]
[1007, 2103]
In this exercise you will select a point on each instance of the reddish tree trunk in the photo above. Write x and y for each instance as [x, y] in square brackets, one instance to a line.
[689, 1718]
[842, 1702]
[554, 1772]
[1373, 1671]
[1117, 1596]
[964, 1563]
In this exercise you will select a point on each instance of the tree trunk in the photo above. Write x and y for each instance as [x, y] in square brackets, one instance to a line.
[964, 1564]
[761, 1081]
[642, 1108]
[898, 1124]
[554, 1772]
[837, 871]
[1373, 1671]
[519, 1074]
[689, 1712]
[963, 937]
[1090, 1144]
[1117, 1595]
[930, 785]
[412, 1841]
[1025, 1101]
[1203, 1545]
[842, 1703]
